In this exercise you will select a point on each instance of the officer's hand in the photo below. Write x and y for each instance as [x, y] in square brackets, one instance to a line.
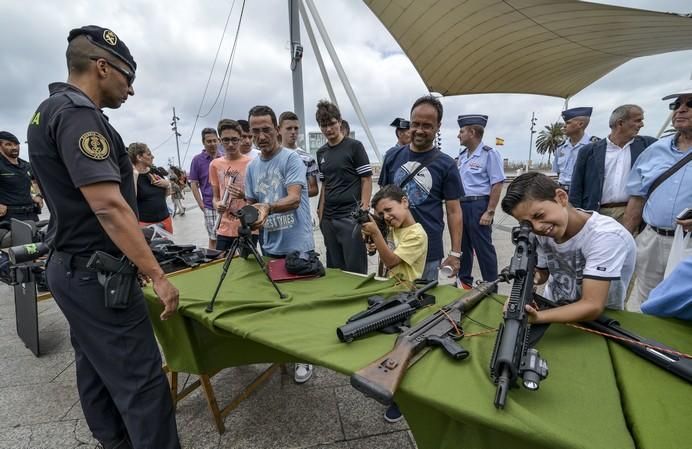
[686, 224]
[3, 210]
[487, 218]
[168, 295]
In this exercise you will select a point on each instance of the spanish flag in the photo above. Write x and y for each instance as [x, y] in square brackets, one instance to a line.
[499, 141]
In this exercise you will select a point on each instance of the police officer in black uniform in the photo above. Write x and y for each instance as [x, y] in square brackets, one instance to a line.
[82, 165]
[16, 179]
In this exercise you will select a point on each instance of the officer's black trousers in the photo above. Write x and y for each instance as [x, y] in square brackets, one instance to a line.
[477, 239]
[121, 385]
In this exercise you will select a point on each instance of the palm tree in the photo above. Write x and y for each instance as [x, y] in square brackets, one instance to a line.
[549, 139]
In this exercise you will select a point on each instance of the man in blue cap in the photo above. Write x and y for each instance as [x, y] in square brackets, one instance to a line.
[403, 135]
[576, 121]
[482, 175]
[82, 166]
[659, 189]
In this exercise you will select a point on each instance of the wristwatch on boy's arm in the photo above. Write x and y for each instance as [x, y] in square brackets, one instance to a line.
[456, 254]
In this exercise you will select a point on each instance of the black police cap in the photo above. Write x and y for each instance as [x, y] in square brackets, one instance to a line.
[107, 40]
[4, 135]
[400, 123]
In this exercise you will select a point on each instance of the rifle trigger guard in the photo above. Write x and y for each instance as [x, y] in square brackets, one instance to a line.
[452, 349]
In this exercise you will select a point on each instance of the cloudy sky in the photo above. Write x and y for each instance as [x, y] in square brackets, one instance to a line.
[174, 43]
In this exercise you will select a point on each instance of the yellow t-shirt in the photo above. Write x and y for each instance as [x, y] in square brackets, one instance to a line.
[410, 244]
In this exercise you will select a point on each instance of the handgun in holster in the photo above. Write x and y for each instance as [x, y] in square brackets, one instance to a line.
[118, 276]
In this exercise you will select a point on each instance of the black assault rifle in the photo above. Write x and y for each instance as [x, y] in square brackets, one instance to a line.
[513, 356]
[381, 378]
[651, 350]
[387, 315]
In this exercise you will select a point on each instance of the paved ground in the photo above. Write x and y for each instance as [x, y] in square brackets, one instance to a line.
[39, 406]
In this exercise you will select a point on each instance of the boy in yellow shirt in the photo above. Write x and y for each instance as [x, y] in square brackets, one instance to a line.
[404, 251]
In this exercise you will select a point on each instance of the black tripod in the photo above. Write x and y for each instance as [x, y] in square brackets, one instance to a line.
[248, 215]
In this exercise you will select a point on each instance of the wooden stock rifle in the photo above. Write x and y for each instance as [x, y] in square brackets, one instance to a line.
[381, 378]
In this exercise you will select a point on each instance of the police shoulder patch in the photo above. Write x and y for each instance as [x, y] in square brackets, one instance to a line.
[487, 148]
[94, 146]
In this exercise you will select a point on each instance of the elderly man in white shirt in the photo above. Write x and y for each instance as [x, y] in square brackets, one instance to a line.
[600, 172]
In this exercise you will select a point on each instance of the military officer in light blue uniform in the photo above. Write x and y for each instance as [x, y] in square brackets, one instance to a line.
[660, 207]
[482, 175]
[576, 121]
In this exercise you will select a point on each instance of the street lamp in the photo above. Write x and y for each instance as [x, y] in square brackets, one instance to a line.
[533, 125]
[174, 128]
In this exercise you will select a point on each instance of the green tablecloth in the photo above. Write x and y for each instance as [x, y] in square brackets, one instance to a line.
[597, 395]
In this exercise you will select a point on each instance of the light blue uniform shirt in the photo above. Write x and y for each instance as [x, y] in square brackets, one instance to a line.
[481, 170]
[669, 198]
[266, 181]
[565, 158]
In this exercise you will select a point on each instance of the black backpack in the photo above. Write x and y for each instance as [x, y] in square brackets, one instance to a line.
[304, 263]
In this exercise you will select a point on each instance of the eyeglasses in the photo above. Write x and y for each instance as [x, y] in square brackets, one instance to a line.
[129, 76]
[675, 106]
[258, 131]
[230, 139]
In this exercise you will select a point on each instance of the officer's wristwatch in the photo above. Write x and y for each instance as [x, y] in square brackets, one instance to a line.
[456, 254]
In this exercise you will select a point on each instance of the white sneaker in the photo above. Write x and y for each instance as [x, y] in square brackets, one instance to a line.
[302, 373]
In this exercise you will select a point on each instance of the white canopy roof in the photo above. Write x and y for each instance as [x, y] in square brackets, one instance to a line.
[547, 47]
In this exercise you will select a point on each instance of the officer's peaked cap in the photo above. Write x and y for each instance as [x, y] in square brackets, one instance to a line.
[472, 119]
[400, 123]
[569, 114]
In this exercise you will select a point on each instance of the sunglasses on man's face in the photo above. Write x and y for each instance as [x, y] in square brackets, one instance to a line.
[676, 105]
[129, 76]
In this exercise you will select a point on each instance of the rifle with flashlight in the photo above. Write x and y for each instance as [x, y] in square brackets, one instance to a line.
[513, 356]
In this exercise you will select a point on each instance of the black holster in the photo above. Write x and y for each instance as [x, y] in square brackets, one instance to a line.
[117, 276]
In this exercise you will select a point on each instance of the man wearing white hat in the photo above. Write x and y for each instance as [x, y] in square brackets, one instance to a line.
[659, 189]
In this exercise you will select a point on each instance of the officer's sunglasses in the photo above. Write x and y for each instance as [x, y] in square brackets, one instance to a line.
[675, 106]
[129, 76]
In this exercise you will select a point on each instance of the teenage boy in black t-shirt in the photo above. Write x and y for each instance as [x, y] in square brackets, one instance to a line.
[346, 184]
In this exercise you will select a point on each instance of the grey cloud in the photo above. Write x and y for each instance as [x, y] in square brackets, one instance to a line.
[174, 43]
